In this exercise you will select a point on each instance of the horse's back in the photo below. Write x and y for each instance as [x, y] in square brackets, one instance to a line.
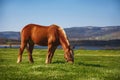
[40, 35]
[35, 33]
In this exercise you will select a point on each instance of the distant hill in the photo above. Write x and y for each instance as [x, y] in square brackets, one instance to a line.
[94, 33]
[81, 33]
[10, 35]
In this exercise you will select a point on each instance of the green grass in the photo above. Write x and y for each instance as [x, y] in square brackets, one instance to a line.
[89, 65]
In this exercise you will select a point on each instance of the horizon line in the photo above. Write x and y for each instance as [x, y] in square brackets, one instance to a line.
[68, 27]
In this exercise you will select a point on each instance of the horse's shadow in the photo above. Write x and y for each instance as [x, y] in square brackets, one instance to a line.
[58, 62]
[79, 63]
[89, 64]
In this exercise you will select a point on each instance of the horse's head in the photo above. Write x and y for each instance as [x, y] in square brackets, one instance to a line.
[69, 55]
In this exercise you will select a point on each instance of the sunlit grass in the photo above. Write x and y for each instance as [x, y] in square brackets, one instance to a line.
[89, 65]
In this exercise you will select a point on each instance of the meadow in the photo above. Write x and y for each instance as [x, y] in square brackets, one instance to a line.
[88, 65]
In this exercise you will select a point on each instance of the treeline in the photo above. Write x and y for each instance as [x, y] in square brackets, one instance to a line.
[95, 42]
[73, 42]
[9, 41]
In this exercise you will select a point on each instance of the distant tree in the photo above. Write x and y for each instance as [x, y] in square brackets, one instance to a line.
[10, 44]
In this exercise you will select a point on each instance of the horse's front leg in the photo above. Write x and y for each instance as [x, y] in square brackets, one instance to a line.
[51, 50]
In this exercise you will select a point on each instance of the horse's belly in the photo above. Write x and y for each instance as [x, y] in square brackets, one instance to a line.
[43, 43]
[40, 41]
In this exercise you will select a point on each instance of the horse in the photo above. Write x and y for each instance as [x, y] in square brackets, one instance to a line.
[51, 36]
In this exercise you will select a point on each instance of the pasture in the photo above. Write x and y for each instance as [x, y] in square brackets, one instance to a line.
[89, 65]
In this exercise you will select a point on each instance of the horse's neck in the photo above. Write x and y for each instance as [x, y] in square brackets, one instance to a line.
[65, 44]
[64, 40]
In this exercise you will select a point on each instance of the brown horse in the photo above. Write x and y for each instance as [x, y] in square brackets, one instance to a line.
[50, 36]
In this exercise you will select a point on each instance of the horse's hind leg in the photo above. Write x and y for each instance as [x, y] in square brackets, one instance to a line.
[22, 47]
[29, 48]
[51, 50]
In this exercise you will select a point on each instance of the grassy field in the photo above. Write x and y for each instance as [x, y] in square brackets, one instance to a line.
[89, 65]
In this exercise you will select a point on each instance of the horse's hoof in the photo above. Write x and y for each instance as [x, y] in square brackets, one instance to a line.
[71, 62]
[31, 62]
[18, 61]
[47, 62]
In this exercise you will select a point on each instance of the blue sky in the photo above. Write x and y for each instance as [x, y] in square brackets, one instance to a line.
[15, 14]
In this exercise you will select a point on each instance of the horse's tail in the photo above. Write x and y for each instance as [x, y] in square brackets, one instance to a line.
[63, 38]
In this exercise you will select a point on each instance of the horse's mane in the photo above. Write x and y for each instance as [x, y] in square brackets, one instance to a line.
[62, 35]
[54, 25]
[63, 38]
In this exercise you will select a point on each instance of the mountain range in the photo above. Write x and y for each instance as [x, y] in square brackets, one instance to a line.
[78, 33]
[94, 33]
